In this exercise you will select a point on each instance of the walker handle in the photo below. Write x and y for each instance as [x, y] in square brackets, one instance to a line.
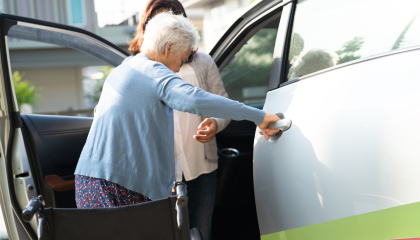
[182, 201]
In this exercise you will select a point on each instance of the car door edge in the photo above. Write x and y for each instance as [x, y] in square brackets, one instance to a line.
[14, 121]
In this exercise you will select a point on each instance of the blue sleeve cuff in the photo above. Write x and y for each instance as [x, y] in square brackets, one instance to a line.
[259, 116]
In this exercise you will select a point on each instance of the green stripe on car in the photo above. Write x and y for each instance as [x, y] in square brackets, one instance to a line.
[392, 223]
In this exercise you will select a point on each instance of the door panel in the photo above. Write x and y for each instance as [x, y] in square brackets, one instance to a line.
[235, 168]
[58, 140]
[234, 215]
[352, 148]
[56, 143]
[343, 155]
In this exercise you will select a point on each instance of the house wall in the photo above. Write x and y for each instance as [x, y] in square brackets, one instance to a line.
[57, 70]
[52, 10]
[60, 88]
[218, 17]
[200, 29]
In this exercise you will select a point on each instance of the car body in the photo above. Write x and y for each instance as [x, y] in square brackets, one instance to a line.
[344, 72]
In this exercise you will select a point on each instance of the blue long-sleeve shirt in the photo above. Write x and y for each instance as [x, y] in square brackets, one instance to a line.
[131, 141]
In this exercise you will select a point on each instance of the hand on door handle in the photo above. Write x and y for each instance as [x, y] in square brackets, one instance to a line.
[282, 125]
[269, 118]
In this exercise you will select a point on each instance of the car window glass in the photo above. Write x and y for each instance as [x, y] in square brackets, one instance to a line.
[68, 39]
[330, 32]
[247, 74]
[3, 231]
[55, 80]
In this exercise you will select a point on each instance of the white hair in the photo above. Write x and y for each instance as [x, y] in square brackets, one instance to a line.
[166, 27]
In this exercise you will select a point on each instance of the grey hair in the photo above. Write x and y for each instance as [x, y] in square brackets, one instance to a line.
[167, 27]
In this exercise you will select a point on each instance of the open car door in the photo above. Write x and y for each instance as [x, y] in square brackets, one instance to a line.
[244, 56]
[348, 166]
[38, 153]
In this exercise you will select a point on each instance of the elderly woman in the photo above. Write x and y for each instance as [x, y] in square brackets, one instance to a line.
[128, 157]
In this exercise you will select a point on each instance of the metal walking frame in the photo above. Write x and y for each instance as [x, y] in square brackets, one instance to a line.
[165, 219]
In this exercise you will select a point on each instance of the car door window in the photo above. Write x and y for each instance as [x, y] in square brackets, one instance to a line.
[327, 32]
[56, 81]
[65, 38]
[247, 74]
[64, 72]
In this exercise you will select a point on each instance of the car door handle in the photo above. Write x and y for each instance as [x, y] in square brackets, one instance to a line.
[283, 124]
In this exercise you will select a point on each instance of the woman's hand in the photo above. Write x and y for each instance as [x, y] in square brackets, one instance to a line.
[268, 118]
[207, 134]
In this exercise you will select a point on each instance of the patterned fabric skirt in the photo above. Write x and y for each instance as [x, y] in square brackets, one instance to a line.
[98, 193]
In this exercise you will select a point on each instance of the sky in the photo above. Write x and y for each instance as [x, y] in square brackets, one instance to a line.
[112, 11]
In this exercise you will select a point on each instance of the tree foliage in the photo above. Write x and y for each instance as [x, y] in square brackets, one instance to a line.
[252, 64]
[95, 95]
[347, 51]
[400, 38]
[24, 90]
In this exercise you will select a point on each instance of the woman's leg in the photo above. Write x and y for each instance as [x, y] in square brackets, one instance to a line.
[201, 197]
[124, 196]
[99, 193]
[91, 194]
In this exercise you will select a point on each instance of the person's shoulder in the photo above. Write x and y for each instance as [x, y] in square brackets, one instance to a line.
[202, 54]
[159, 72]
[136, 60]
[202, 57]
[151, 69]
[135, 67]
[159, 69]
[142, 63]
[127, 59]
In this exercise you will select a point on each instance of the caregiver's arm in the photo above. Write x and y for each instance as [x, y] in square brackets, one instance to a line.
[185, 97]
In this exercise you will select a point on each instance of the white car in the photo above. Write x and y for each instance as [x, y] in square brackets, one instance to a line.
[343, 75]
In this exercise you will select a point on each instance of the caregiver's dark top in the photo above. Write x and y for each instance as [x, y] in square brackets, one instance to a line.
[131, 141]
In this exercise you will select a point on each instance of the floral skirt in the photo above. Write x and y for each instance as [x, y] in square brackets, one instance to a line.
[98, 193]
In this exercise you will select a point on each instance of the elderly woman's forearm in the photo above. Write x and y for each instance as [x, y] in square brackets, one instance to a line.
[221, 123]
[201, 103]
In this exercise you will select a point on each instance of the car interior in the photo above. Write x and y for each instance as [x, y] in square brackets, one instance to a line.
[235, 215]
[54, 143]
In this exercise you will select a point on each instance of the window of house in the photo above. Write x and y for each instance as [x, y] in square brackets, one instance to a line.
[247, 75]
[329, 32]
[76, 12]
